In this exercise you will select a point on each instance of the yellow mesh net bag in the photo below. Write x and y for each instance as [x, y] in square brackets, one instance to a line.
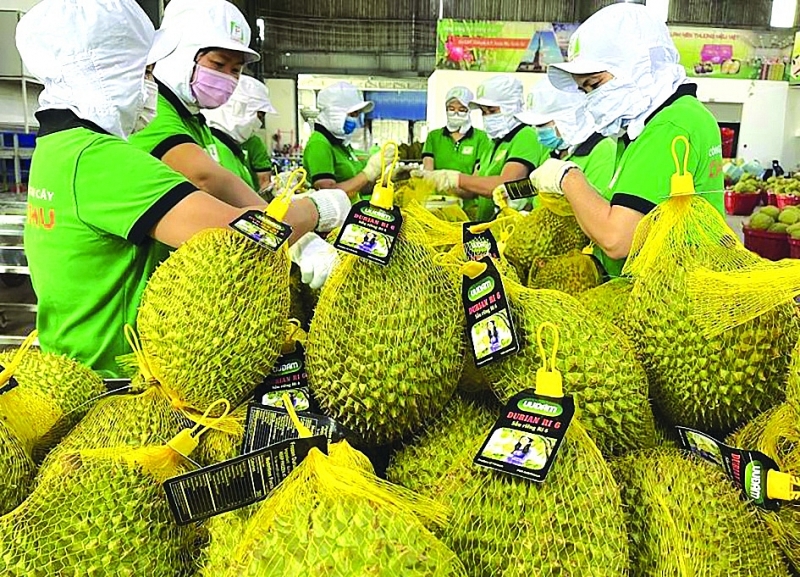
[18, 470]
[330, 517]
[99, 512]
[609, 300]
[776, 433]
[713, 383]
[53, 393]
[385, 347]
[686, 518]
[212, 317]
[573, 273]
[793, 381]
[503, 526]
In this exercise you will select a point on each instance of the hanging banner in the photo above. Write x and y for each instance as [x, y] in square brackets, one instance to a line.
[494, 46]
[794, 68]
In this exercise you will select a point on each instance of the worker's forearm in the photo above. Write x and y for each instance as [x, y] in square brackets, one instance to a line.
[303, 218]
[229, 188]
[427, 163]
[592, 211]
[472, 186]
[352, 187]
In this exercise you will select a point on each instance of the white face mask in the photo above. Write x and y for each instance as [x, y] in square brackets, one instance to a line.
[457, 121]
[498, 125]
[149, 106]
[614, 104]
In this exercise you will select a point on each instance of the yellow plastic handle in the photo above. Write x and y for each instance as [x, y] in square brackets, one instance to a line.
[783, 486]
[8, 371]
[302, 430]
[473, 269]
[548, 379]
[383, 191]
[186, 441]
[682, 182]
[278, 208]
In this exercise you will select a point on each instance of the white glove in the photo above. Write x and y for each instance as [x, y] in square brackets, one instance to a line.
[443, 181]
[333, 206]
[315, 257]
[380, 159]
[280, 181]
[548, 177]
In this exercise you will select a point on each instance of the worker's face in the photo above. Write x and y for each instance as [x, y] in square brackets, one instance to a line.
[262, 116]
[222, 60]
[548, 125]
[148, 72]
[490, 110]
[355, 114]
[589, 82]
[455, 107]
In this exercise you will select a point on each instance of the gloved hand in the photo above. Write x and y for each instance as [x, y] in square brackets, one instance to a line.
[548, 177]
[443, 181]
[333, 206]
[281, 181]
[502, 200]
[315, 257]
[384, 158]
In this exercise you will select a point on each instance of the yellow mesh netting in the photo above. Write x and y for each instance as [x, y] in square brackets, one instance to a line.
[711, 383]
[54, 392]
[686, 518]
[598, 363]
[793, 381]
[331, 518]
[212, 317]
[385, 347]
[18, 470]
[572, 273]
[220, 445]
[609, 300]
[99, 512]
[503, 526]
[776, 433]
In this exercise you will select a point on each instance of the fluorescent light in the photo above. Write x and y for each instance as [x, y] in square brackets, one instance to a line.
[783, 12]
[660, 8]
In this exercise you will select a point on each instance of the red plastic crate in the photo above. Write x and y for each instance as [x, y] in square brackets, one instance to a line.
[794, 247]
[772, 198]
[784, 200]
[740, 204]
[770, 245]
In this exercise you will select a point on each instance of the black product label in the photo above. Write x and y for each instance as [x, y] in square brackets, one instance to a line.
[117, 385]
[10, 384]
[237, 482]
[477, 245]
[262, 229]
[370, 232]
[266, 426]
[288, 373]
[490, 329]
[747, 469]
[518, 189]
[526, 438]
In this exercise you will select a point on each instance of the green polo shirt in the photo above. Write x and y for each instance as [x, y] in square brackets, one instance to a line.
[520, 145]
[642, 178]
[92, 201]
[232, 157]
[257, 157]
[327, 157]
[172, 126]
[463, 156]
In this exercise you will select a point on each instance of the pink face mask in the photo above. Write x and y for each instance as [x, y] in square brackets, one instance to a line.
[211, 88]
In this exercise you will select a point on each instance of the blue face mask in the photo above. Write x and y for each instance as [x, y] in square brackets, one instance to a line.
[549, 139]
[350, 124]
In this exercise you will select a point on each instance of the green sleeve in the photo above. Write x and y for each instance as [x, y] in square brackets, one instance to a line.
[599, 165]
[646, 168]
[526, 149]
[257, 156]
[228, 159]
[166, 131]
[485, 145]
[125, 197]
[427, 150]
[318, 160]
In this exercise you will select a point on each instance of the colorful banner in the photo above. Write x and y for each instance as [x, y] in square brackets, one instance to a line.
[494, 46]
[794, 68]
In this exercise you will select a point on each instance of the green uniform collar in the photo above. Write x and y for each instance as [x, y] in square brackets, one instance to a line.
[683, 90]
[329, 135]
[229, 142]
[56, 120]
[467, 134]
[586, 148]
[176, 102]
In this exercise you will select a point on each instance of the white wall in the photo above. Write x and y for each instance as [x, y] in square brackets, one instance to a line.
[21, 5]
[12, 109]
[283, 95]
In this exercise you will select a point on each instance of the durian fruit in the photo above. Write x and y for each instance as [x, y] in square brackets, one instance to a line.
[572, 273]
[609, 300]
[793, 381]
[18, 470]
[709, 382]
[776, 433]
[297, 308]
[385, 347]
[212, 317]
[221, 445]
[686, 518]
[598, 364]
[99, 513]
[54, 393]
[541, 234]
[225, 532]
[331, 517]
[504, 526]
[450, 213]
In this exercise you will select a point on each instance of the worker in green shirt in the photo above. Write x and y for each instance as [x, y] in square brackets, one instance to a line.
[566, 130]
[235, 123]
[97, 206]
[328, 157]
[625, 61]
[458, 145]
[514, 154]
